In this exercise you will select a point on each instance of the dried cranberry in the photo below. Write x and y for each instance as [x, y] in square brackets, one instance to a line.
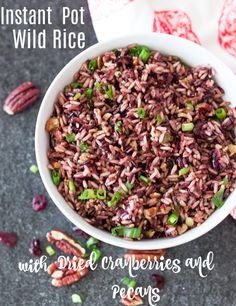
[39, 202]
[35, 248]
[159, 281]
[8, 238]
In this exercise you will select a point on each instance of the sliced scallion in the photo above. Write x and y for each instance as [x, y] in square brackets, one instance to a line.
[217, 199]
[189, 105]
[129, 186]
[173, 218]
[159, 119]
[225, 181]
[76, 85]
[71, 185]
[145, 54]
[76, 299]
[34, 169]
[92, 65]
[122, 231]
[101, 194]
[187, 127]
[83, 146]
[89, 93]
[109, 92]
[141, 113]
[95, 255]
[144, 179]
[56, 178]
[118, 126]
[114, 200]
[221, 113]
[91, 243]
[50, 251]
[184, 171]
[87, 194]
[77, 96]
[128, 282]
[70, 137]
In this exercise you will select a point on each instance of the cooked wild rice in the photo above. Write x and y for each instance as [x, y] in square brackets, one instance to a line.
[128, 130]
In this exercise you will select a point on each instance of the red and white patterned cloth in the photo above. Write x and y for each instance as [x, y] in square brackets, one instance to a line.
[211, 23]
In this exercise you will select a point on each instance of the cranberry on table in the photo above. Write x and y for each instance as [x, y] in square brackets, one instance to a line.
[158, 280]
[8, 238]
[39, 203]
[35, 248]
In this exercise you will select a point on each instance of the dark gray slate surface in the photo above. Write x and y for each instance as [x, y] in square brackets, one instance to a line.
[18, 186]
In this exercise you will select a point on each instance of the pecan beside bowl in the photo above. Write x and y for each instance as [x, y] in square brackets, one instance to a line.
[192, 54]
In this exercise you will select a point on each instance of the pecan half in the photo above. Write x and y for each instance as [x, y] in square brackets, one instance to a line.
[52, 124]
[143, 254]
[20, 98]
[132, 301]
[67, 275]
[65, 243]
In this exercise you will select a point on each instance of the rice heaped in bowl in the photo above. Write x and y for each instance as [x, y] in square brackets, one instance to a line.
[143, 145]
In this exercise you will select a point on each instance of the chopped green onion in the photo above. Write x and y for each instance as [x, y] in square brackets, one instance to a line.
[50, 251]
[225, 181]
[76, 299]
[77, 96]
[98, 86]
[92, 65]
[95, 255]
[118, 126]
[129, 186]
[76, 85]
[83, 146]
[128, 282]
[145, 54]
[72, 185]
[135, 50]
[184, 171]
[109, 92]
[141, 112]
[89, 93]
[101, 194]
[189, 222]
[91, 243]
[70, 137]
[221, 113]
[217, 199]
[87, 194]
[173, 219]
[159, 119]
[115, 199]
[187, 127]
[189, 105]
[144, 179]
[122, 231]
[34, 169]
[141, 51]
[56, 178]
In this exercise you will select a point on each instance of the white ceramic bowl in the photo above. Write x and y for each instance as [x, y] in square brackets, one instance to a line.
[193, 55]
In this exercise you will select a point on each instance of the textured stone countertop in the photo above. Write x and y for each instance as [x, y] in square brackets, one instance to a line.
[18, 186]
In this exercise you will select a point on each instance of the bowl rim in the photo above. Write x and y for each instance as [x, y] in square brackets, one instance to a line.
[146, 244]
